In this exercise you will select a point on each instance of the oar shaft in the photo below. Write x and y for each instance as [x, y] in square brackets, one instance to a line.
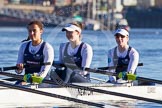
[149, 80]
[113, 67]
[25, 66]
[100, 71]
[50, 94]
[57, 64]
[8, 68]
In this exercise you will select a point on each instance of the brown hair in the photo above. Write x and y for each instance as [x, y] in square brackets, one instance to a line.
[78, 24]
[39, 23]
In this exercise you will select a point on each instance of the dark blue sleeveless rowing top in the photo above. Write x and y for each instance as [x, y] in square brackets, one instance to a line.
[75, 59]
[121, 63]
[31, 59]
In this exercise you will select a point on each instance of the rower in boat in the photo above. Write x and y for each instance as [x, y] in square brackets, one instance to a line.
[123, 56]
[74, 54]
[34, 52]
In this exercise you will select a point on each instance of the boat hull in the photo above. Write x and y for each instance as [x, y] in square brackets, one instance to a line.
[12, 97]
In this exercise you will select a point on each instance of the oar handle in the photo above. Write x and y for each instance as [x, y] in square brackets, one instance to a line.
[46, 63]
[99, 71]
[140, 64]
[113, 67]
[36, 65]
[25, 66]
[57, 64]
[8, 68]
[148, 80]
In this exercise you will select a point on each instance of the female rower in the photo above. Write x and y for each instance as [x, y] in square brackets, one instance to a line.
[123, 56]
[35, 51]
[75, 55]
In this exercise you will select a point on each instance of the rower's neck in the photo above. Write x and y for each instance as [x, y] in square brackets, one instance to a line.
[75, 44]
[122, 48]
[35, 43]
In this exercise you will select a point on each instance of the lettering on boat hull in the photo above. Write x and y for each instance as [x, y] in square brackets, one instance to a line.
[83, 92]
[151, 90]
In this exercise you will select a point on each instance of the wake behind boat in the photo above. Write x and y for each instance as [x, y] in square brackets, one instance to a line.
[13, 97]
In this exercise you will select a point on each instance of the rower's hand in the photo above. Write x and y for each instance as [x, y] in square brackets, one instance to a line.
[127, 76]
[32, 78]
[28, 78]
[123, 75]
[83, 73]
[20, 67]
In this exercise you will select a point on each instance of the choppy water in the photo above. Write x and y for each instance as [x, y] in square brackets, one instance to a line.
[147, 41]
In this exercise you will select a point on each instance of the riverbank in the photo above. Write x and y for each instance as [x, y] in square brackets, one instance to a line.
[136, 17]
[144, 17]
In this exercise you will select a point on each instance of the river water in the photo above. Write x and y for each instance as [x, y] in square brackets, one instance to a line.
[148, 42]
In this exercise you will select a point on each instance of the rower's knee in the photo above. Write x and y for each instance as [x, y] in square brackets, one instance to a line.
[77, 78]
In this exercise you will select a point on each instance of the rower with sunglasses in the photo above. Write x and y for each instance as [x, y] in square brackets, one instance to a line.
[123, 56]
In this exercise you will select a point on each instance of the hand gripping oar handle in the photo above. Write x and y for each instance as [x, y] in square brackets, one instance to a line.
[120, 66]
[25, 66]
[130, 76]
